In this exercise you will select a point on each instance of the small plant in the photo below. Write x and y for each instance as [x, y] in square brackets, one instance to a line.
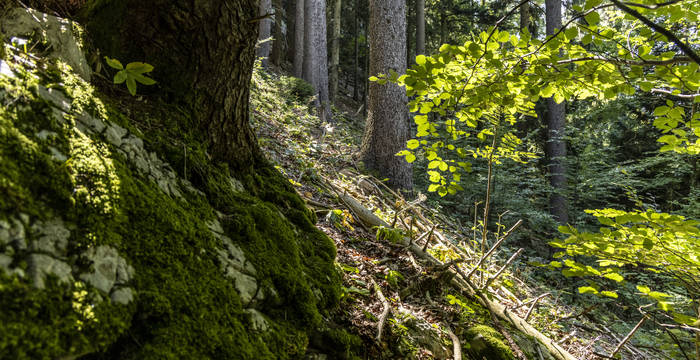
[132, 73]
[394, 236]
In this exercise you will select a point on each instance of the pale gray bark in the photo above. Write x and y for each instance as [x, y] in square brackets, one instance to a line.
[264, 32]
[335, 49]
[315, 69]
[299, 35]
[420, 27]
[387, 128]
[556, 124]
[279, 39]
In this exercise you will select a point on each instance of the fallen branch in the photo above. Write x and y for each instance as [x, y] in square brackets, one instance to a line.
[534, 303]
[456, 345]
[628, 337]
[385, 312]
[498, 273]
[493, 248]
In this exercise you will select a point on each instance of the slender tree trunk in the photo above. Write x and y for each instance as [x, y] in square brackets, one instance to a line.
[420, 27]
[525, 16]
[203, 61]
[279, 42]
[335, 49]
[299, 36]
[387, 128]
[356, 62]
[321, 59]
[556, 123]
[265, 30]
[410, 31]
[290, 21]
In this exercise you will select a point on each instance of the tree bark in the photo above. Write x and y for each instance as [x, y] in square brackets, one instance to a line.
[299, 35]
[387, 128]
[525, 16]
[420, 27]
[264, 44]
[211, 80]
[315, 69]
[279, 39]
[356, 62]
[556, 128]
[335, 49]
[290, 21]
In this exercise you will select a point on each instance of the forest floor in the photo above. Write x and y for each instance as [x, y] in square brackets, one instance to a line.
[425, 313]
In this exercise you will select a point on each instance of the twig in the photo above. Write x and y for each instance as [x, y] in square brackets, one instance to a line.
[534, 303]
[456, 345]
[629, 336]
[385, 312]
[429, 235]
[494, 247]
[498, 273]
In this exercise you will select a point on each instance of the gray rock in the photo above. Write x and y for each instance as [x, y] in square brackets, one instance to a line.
[4, 232]
[257, 319]
[236, 185]
[50, 236]
[55, 97]
[40, 265]
[45, 134]
[57, 32]
[5, 262]
[108, 267]
[232, 256]
[94, 124]
[18, 235]
[114, 134]
[122, 296]
[57, 155]
[246, 286]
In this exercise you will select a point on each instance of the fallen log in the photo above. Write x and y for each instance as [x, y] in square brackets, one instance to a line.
[372, 220]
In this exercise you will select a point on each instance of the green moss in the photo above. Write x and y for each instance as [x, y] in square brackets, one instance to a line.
[485, 342]
[184, 306]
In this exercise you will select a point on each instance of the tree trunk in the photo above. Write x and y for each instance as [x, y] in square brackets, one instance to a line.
[356, 62]
[335, 49]
[211, 80]
[279, 39]
[263, 50]
[420, 27]
[556, 123]
[525, 16]
[410, 31]
[290, 21]
[315, 54]
[299, 35]
[387, 128]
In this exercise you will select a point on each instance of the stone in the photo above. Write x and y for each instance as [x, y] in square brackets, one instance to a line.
[17, 235]
[232, 256]
[58, 33]
[57, 155]
[94, 124]
[50, 236]
[122, 296]
[246, 285]
[107, 268]
[236, 185]
[5, 262]
[40, 265]
[114, 134]
[257, 319]
[55, 97]
[45, 134]
[4, 232]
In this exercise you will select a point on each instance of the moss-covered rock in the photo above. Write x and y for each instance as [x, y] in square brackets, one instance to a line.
[151, 262]
[484, 342]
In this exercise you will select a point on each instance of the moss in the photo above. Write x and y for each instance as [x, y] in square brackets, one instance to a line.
[485, 342]
[184, 306]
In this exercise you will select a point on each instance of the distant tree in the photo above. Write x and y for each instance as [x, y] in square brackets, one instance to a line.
[279, 43]
[556, 127]
[335, 49]
[387, 128]
[299, 35]
[315, 69]
[420, 27]
[265, 25]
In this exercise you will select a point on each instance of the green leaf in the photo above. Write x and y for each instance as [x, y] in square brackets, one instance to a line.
[131, 85]
[412, 144]
[410, 158]
[420, 59]
[614, 276]
[114, 63]
[643, 289]
[120, 77]
[587, 290]
[592, 18]
[139, 67]
[611, 294]
[144, 79]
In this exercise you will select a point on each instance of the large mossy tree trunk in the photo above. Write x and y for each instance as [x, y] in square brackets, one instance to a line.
[203, 53]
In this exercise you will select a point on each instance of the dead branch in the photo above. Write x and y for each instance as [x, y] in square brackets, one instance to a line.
[534, 303]
[629, 336]
[498, 273]
[385, 311]
[494, 247]
[456, 345]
